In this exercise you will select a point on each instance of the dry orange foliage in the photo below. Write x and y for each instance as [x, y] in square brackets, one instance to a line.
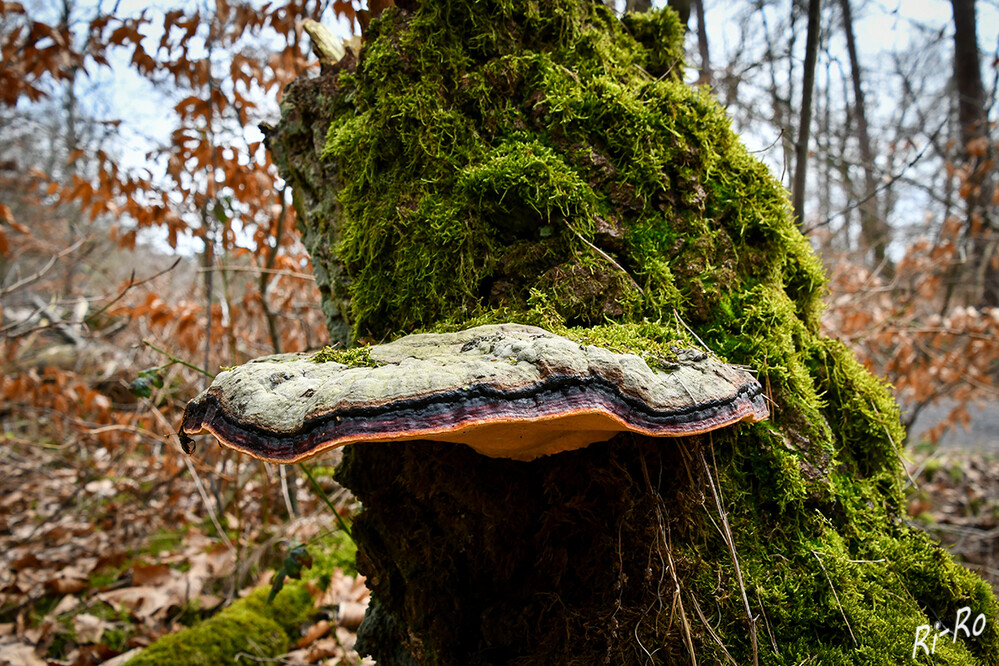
[916, 327]
[217, 186]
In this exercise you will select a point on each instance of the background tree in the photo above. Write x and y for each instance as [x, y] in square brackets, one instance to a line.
[805, 123]
[978, 155]
[873, 228]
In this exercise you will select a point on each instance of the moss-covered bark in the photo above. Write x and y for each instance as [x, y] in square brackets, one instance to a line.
[542, 162]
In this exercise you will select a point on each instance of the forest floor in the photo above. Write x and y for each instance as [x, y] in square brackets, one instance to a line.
[101, 554]
[956, 499]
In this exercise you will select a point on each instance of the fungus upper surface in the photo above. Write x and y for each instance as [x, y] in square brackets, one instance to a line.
[505, 390]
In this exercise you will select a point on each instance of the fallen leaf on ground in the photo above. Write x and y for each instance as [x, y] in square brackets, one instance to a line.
[315, 632]
[154, 574]
[142, 602]
[19, 654]
[89, 628]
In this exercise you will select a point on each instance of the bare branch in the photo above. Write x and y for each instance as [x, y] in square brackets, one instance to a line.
[20, 284]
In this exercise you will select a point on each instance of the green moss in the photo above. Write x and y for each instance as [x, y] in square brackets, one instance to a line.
[42, 607]
[250, 626]
[354, 357]
[165, 541]
[331, 552]
[543, 163]
[108, 574]
[839, 578]
[927, 518]
[471, 153]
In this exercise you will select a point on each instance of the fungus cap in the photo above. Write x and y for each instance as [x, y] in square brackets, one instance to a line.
[507, 391]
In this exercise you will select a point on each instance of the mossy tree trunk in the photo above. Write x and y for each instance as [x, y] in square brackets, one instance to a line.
[543, 162]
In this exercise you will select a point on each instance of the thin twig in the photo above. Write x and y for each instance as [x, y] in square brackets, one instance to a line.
[263, 280]
[132, 284]
[691, 331]
[780, 135]
[730, 542]
[693, 400]
[687, 638]
[941, 330]
[883, 186]
[711, 630]
[194, 475]
[88, 427]
[88, 299]
[285, 493]
[270, 271]
[34, 277]
[833, 588]
[319, 491]
[766, 623]
[604, 255]
[174, 359]
[895, 449]
[65, 329]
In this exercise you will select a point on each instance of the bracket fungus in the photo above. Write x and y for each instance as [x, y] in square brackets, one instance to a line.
[507, 391]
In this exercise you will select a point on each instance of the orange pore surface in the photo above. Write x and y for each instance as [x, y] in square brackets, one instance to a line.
[526, 438]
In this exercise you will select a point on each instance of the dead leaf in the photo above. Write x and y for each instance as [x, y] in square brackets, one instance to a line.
[350, 614]
[65, 605]
[315, 632]
[66, 585]
[154, 574]
[89, 628]
[11, 499]
[26, 561]
[19, 654]
[327, 648]
[346, 638]
[142, 602]
[123, 658]
[102, 488]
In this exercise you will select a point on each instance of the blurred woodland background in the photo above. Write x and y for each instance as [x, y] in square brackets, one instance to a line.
[144, 235]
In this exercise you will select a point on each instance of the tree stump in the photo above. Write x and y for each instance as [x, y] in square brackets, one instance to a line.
[542, 162]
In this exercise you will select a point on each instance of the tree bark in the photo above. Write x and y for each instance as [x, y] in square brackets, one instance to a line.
[978, 154]
[804, 127]
[682, 8]
[968, 73]
[702, 44]
[874, 231]
[528, 563]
